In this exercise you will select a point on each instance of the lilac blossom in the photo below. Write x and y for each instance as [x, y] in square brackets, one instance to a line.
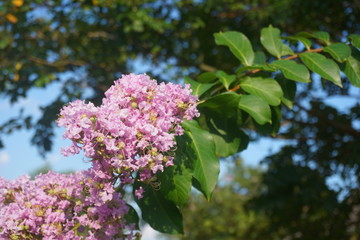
[60, 206]
[134, 128]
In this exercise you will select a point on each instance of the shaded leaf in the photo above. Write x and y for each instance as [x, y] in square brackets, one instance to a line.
[206, 164]
[176, 180]
[289, 90]
[160, 213]
[228, 138]
[273, 127]
[355, 40]
[352, 68]
[132, 217]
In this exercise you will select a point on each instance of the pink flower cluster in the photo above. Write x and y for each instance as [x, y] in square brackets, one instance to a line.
[58, 206]
[131, 132]
[134, 128]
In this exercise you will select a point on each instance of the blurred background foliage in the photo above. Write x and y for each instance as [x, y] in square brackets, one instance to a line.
[85, 44]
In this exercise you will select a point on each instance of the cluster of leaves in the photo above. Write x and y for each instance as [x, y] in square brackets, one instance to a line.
[251, 97]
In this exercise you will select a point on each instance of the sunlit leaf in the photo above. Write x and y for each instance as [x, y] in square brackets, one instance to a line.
[256, 107]
[270, 39]
[266, 88]
[293, 70]
[339, 51]
[323, 66]
[238, 44]
[197, 88]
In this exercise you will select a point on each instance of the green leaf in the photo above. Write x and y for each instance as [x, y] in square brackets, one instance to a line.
[161, 214]
[266, 88]
[238, 44]
[228, 137]
[256, 107]
[132, 217]
[44, 80]
[323, 66]
[303, 40]
[270, 39]
[273, 127]
[266, 67]
[224, 104]
[352, 68]
[355, 40]
[206, 77]
[322, 36]
[176, 180]
[292, 70]
[225, 79]
[289, 90]
[198, 89]
[339, 51]
[260, 58]
[206, 164]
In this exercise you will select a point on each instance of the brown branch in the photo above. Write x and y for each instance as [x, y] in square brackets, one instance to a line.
[237, 87]
[207, 68]
[59, 63]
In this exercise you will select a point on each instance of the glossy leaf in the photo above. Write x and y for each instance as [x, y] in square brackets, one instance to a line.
[352, 68]
[289, 89]
[238, 44]
[273, 127]
[339, 51]
[293, 70]
[228, 138]
[160, 213]
[323, 66]
[198, 89]
[270, 39]
[132, 217]
[307, 42]
[323, 36]
[224, 104]
[355, 40]
[256, 107]
[206, 77]
[206, 164]
[176, 180]
[225, 79]
[266, 88]
[260, 58]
